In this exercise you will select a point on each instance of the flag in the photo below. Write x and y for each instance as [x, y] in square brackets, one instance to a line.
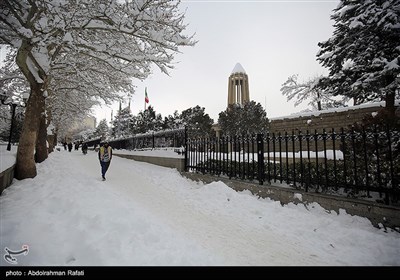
[146, 98]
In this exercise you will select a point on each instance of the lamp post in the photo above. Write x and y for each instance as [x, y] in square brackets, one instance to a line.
[13, 105]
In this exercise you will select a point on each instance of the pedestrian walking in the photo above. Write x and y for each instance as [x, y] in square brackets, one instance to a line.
[84, 148]
[105, 156]
[69, 147]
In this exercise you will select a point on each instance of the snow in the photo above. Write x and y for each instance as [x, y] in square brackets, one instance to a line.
[238, 69]
[332, 110]
[356, 23]
[50, 129]
[34, 70]
[298, 196]
[392, 64]
[244, 156]
[7, 158]
[150, 215]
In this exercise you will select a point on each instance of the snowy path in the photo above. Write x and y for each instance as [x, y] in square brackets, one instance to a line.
[229, 237]
[149, 215]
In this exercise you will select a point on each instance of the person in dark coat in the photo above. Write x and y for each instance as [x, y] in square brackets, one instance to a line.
[84, 148]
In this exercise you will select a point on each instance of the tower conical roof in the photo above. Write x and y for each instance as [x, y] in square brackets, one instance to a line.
[238, 69]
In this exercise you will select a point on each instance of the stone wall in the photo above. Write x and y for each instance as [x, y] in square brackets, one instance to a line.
[325, 119]
[178, 163]
[6, 178]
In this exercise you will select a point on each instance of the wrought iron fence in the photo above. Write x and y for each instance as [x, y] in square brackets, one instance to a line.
[363, 162]
[158, 139]
[93, 142]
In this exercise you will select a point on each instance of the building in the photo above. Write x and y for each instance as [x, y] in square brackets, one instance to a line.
[238, 86]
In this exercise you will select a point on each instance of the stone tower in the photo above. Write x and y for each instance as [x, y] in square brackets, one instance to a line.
[238, 86]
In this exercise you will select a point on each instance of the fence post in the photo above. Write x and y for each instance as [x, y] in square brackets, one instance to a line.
[186, 149]
[260, 158]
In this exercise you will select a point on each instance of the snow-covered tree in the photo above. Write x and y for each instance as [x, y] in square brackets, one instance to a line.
[86, 134]
[126, 36]
[363, 55]
[240, 120]
[123, 123]
[74, 99]
[197, 122]
[102, 129]
[79, 84]
[148, 121]
[173, 121]
[14, 86]
[308, 90]
[12, 81]
[5, 123]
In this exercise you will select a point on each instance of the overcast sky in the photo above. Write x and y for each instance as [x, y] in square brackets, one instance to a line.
[271, 39]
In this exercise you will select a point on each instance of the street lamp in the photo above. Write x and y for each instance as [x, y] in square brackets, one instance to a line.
[13, 105]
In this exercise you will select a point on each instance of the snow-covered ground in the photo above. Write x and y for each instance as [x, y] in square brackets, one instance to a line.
[150, 215]
[7, 158]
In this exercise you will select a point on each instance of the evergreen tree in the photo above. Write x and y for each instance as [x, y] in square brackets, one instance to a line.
[173, 121]
[363, 55]
[197, 122]
[123, 123]
[148, 121]
[102, 129]
[247, 119]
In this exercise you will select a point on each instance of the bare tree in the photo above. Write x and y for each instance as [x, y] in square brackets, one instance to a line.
[308, 91]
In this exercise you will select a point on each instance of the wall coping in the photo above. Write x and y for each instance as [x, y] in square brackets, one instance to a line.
[6, 178]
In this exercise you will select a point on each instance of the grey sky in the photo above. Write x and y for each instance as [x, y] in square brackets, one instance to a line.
[271, 39]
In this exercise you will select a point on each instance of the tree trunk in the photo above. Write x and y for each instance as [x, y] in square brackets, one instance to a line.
[319, 106]
[50, 141]
[25, 167]
[389, 104]
[41, 143]
[55, 141]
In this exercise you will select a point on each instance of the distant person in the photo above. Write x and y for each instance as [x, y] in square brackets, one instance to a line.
[84, 148]
[65, 145]
[105, 156]
[69, 146]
